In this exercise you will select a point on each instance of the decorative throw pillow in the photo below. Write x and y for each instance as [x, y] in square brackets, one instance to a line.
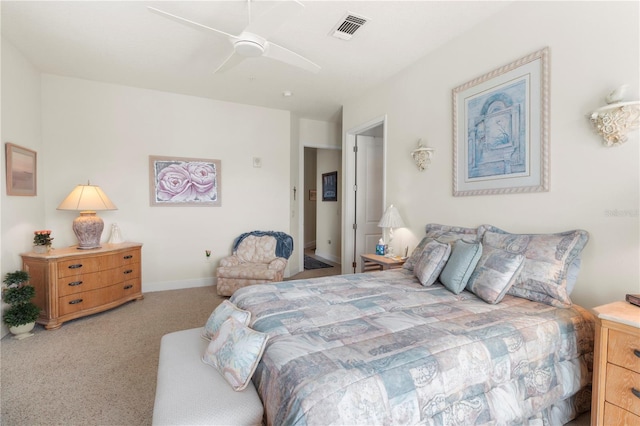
[450, 234]
[236, 352]
[463, 260]
[434, 256]
[495, 273]
[222, 313]
[417, 253]
[551, 262]
[444, 234]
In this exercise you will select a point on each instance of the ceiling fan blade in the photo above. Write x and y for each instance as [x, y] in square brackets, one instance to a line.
[231, 61]
[268, 23]
[188, 22]
[282, 54]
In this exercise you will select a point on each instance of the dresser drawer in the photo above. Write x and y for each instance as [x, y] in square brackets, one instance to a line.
[79, 266]
[618, 389]
[90, 281]
[616, 416]
[87, 300]
[624, 350]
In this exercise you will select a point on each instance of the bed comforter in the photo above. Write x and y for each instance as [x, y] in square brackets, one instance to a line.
[379, 348]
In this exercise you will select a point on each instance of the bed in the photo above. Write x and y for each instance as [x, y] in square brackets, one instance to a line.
[383, 348]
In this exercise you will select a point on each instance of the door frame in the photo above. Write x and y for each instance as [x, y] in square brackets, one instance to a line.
[348, 184]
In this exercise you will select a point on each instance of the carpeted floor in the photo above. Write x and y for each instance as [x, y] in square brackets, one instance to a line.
[99, 370]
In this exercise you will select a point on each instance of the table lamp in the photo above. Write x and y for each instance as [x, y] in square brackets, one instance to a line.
[87, 199]
[391, 219]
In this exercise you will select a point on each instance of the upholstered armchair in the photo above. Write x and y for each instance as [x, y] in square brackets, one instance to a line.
[258, 257]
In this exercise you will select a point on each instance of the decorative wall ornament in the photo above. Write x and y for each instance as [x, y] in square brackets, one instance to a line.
[617, 118]
[422, 156]
[501, 129]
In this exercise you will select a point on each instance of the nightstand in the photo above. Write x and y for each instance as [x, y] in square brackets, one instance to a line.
[616, 365]
[374, 262]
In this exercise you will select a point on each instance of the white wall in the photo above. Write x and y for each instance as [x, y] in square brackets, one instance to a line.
[105, 133]
[593, 49]
[329, 213]
[310, 183]
[21, 126]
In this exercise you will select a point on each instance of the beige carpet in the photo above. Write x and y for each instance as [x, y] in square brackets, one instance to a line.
[99, 370]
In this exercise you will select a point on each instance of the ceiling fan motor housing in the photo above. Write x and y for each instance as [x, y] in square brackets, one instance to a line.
[249, 45]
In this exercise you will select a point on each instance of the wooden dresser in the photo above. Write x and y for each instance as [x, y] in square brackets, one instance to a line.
[616, 372]
[72, 283]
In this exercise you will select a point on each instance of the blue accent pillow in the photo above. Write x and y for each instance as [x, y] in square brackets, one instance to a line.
[463, 260]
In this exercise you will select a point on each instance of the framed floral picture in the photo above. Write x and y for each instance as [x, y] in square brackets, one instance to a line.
[22, 171]
[501, 129]
[178, 181]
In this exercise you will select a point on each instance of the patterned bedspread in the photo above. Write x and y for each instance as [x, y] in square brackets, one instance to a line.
[379, 348]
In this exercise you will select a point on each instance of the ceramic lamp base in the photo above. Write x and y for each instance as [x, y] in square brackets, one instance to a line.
[88, 229]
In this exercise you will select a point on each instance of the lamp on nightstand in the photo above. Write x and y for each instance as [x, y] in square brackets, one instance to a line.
[390, 219]
[87, 199]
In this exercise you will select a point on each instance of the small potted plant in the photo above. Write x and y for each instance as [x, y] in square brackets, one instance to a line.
[21, 316]
[42, 241]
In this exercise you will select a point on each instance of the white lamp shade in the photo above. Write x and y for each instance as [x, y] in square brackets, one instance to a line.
[391, 218]
[87, 198]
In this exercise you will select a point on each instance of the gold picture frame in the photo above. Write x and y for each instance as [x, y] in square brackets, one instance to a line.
[22, 170]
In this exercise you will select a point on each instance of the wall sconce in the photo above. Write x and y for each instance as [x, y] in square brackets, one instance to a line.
[617, 118]
[422, 155]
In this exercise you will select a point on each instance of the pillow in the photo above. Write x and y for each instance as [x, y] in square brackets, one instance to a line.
[551, 262]
[464, 258]
[235, 352]
[434, 256]
[220, 314]
[495, 273]
[410, 263]
[444, 234]
[450, 234]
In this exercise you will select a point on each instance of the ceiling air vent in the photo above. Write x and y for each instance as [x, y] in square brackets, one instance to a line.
[348, 26]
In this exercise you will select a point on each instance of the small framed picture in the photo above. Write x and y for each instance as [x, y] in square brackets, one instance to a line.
[330, 186]
[312, 195]
[21, 170]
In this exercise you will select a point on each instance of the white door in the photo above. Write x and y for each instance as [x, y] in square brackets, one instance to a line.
[369, 203]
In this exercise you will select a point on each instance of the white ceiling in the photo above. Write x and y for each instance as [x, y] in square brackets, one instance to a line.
[122, 42]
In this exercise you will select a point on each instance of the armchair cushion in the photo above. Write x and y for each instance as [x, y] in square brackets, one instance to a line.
[254, 249]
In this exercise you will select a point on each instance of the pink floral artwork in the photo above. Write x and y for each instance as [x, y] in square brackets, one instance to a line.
[180, 181]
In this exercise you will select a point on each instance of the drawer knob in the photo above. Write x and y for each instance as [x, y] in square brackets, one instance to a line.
[75, 301]
[76, 266]
[129, 256]
[128, 271]
[636, 352]
[127, 287]
[636, 392]
[75, 283]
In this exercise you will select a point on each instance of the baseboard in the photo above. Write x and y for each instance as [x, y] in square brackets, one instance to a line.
[177, 285]
[327, 256]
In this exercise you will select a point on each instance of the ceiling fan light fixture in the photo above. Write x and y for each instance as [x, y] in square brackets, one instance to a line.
[248, 48]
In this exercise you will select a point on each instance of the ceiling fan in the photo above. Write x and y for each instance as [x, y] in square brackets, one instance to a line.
[252, 41]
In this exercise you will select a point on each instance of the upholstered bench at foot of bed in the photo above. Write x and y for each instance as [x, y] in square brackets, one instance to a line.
[189, 392]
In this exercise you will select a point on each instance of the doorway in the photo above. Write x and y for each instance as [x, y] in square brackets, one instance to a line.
[365, 177]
